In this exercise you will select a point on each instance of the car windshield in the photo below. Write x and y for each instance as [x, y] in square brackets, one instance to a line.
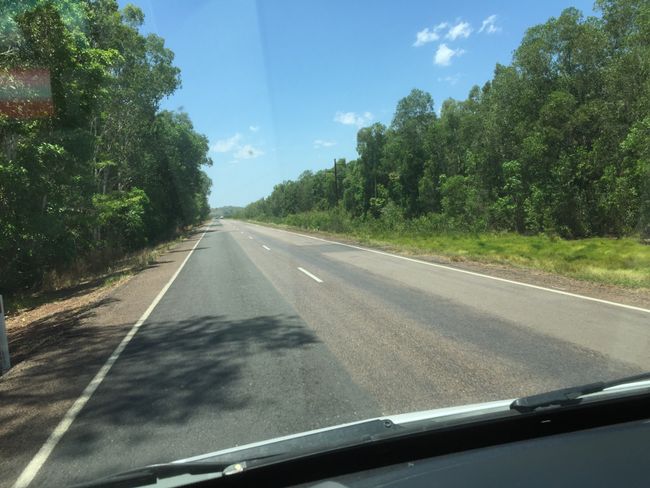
[223, 222]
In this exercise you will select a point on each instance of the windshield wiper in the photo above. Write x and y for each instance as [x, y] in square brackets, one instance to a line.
[150, 475]
[252, 456]
[570, 396]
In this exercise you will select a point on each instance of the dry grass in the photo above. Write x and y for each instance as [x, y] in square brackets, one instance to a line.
[90, 273]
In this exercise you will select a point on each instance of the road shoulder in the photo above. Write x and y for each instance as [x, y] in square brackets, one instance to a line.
[39, 390]
[639, 297]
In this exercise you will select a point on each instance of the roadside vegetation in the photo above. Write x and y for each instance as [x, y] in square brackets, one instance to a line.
[547, 165]
[92, 173]
[89, 275]
[617, 261]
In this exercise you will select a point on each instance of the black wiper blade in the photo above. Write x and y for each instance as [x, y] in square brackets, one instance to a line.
[570, 396]
[151, 474]
[249, 457]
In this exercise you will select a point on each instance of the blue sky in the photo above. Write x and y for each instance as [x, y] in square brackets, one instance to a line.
[281, 86]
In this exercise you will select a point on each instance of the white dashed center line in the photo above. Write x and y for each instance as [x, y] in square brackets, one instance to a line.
[313, 277]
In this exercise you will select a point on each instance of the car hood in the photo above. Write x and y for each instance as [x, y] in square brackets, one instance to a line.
[369, 429]
[333, 436]
[234, 459]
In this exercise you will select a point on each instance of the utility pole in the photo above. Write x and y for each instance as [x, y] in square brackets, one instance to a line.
[5, 364]
[336, 183]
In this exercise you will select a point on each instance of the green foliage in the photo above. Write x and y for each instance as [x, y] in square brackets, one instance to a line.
[335, 220]
[106, 170]
[120, 217]
[461, 204]
[636, 150]
[555, 143]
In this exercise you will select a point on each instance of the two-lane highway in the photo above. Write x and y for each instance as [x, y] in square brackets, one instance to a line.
[264, 333]
[418, 335]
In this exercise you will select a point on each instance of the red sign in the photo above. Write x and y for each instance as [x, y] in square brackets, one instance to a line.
[25, 93]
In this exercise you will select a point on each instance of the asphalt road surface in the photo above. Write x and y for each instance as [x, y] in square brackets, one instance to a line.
[265, 333]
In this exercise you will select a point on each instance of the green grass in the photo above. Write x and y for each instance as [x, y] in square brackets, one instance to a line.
[624, 262]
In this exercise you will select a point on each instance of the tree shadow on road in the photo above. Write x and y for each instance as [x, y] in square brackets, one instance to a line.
[200, 232]
[47, 331]
[188, 250]
[170, 372]
[172, 369]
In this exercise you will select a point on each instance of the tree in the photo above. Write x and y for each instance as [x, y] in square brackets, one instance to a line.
[555, 142]
[405, 149]
[97, 166]
[370, 146]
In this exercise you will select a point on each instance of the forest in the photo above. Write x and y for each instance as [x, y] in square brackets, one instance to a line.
[556, 143]
[90, 167]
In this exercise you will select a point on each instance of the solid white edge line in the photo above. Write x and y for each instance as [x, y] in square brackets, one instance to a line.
[266, 247]
[472, 273]
[31, 470]
[313, 277]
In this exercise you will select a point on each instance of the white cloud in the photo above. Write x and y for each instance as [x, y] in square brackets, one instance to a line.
[428, 35]
[253, 128]
[247, 151]
[352, 118]
[236, 148]
[488, 26]
[425, 36]
[452, 79]
[462, 29]
[444, 54]
[226, 145]
[318, 143]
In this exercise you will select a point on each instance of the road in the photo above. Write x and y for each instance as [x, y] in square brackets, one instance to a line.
[264, 333]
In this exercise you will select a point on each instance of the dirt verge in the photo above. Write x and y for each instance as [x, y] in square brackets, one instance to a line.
[42, 324]
[57, 348]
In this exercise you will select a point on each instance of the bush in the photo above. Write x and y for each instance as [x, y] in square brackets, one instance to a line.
[120, 217]
[335, 220]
